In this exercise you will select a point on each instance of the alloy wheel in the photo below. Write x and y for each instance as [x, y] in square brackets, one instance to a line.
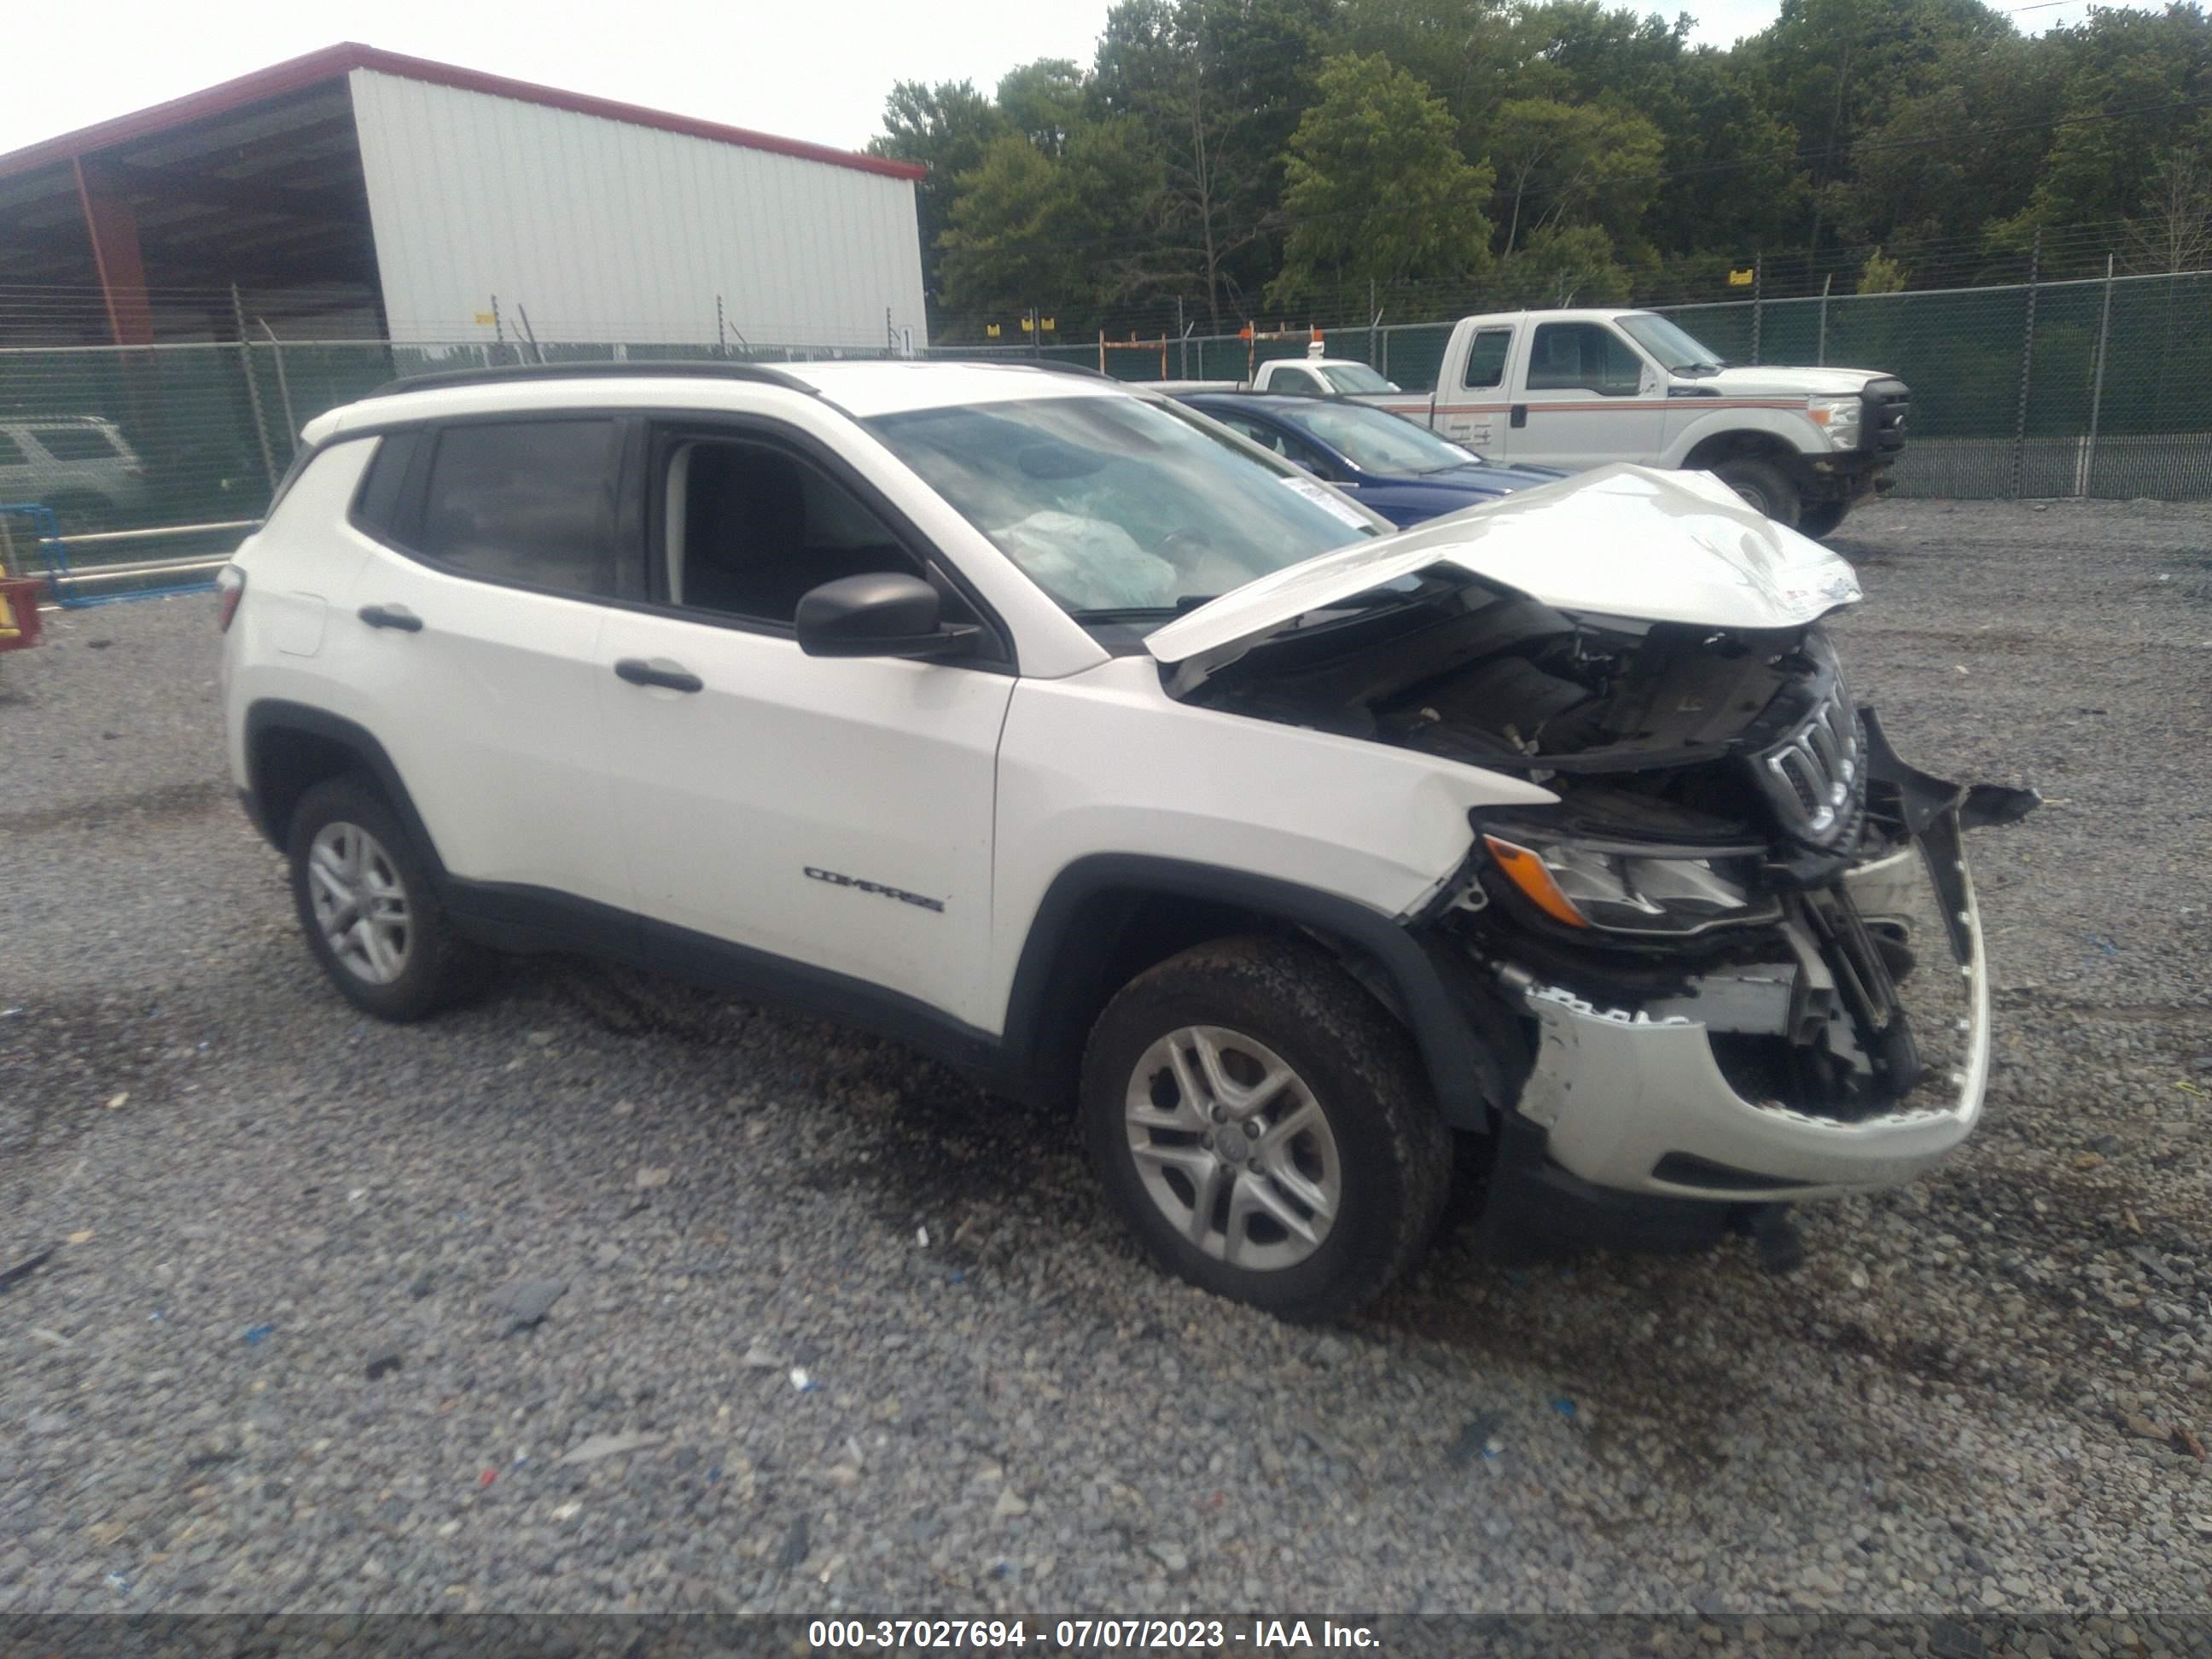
[360, 902]
[1231, 1144]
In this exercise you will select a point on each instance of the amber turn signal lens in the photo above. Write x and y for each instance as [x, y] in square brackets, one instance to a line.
[1526, 872]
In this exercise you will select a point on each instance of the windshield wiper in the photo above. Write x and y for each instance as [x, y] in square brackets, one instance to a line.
[1123, 613]
[1695, 369]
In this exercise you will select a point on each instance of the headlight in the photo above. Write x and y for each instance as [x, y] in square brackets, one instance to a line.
[1841, 415]
[1618, 892]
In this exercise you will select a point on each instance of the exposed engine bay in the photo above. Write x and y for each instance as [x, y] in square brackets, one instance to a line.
[1733, 844]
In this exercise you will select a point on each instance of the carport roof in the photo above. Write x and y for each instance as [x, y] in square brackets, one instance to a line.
[331, 63]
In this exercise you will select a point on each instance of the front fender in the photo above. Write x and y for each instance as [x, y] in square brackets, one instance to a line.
[1783, 421]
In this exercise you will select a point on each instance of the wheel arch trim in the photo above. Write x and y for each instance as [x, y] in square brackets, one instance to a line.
[1060, 962]
[269, 717]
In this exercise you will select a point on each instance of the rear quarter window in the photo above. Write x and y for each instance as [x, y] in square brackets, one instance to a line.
[376, 504]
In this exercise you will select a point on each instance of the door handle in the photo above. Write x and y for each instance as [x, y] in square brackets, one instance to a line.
[391, 616]
[659, 671]
[1519, 415]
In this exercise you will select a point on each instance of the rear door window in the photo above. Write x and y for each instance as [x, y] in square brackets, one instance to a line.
[526, 502]
[1486, 359]
[11, 453]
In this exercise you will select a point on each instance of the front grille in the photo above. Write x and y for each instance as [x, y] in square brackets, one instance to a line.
[1885, 404]
[1812, 776]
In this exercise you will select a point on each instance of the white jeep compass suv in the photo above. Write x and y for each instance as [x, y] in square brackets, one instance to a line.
[1073, 738]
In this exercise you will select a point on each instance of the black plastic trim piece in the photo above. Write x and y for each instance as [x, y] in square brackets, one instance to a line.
[517, 917]
[636, 369]
[1535, 1210]
[1688, 1169]
[275, 714]
[1060, 962]
[822, 992]
[513, 916]
[250, 804]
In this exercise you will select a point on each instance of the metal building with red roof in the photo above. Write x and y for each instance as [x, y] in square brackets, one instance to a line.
[364, 192]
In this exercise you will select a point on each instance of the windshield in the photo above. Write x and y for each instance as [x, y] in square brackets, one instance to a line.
[1376, 440]
[1355, 378]
[1678, 351]
[1120, 504]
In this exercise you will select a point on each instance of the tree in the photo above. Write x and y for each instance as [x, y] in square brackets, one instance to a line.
[2175, 230]
[1065, 236]
[945, 128]
[1731, 179]
[1950, 159]
[1219, 86]
[1466, 53]
[1001, 255]
[1570, 164]
[1836, 69]
[1882, 275]
[1378, 190]
[2135, 85]
[1044, 101]
[1569, 265]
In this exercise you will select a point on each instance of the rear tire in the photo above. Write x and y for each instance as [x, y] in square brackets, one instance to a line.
[1822, 518]
[1764, 486]
[1265, 1129]
[371, 913]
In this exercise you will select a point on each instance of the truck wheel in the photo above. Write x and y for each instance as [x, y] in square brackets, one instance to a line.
[365, 899]
[1821, 518]
[1761, 485]
[1265, 1129]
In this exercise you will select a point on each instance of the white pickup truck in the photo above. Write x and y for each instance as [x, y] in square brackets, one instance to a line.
[1324, 377]
[1576, 389]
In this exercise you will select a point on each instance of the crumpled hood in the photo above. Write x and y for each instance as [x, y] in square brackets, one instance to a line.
[1744, 381]
[1618, 541]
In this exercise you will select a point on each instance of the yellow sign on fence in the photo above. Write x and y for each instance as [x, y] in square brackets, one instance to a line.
[1742, 278]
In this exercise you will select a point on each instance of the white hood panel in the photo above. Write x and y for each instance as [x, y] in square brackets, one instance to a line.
[1764, 381]
[1618, 541]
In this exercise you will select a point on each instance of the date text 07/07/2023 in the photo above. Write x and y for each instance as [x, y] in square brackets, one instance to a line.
[1089, 1635]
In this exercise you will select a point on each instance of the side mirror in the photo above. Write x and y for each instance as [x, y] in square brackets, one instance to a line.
[881, 614]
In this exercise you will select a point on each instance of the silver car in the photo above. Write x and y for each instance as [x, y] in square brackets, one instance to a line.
[80, 465]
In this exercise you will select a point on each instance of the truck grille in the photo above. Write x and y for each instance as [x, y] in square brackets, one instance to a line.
[1887, 403]
[1812, 776]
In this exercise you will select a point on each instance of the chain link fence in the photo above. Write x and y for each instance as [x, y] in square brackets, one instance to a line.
[2095, 387]
[2099, 387]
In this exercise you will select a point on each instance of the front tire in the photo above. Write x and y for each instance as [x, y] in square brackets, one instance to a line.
[1265, 1129]
[1765, 486]
[1822, 518]
[372, 916]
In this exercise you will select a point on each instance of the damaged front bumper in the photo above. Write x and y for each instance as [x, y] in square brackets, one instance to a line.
[1629, 1127]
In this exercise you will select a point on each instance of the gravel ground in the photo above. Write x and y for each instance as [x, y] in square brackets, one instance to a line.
[272, 1363]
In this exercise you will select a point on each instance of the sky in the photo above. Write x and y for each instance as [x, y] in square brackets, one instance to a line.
[803, 69]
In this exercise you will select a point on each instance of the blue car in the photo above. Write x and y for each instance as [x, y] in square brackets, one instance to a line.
[1397, 468]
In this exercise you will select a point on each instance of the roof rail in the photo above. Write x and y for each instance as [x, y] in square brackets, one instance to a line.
[635, 368]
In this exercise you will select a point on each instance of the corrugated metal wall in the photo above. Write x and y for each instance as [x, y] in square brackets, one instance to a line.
[605, 231]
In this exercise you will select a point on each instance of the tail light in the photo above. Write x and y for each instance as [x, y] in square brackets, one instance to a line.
[230, 589]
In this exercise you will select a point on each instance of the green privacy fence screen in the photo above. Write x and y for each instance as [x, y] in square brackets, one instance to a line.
[2099, 388]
